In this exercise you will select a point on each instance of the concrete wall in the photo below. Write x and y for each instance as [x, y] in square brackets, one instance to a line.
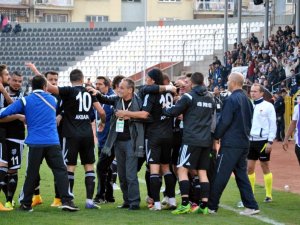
[133, 25]
[82, 8]
[130, 11]
[182, 10]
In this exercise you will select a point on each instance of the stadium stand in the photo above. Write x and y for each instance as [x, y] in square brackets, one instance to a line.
[164, 44]
[52, 48]
[113, 50]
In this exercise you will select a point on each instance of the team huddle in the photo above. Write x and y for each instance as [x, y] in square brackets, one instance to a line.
[176, 130]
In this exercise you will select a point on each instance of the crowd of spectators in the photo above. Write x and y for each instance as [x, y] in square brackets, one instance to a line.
[274, 65]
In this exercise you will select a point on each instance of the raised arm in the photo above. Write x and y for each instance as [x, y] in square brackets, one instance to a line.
[156, 89]
[103, 99]
[50, 88]
[178, 108]
[14, 108]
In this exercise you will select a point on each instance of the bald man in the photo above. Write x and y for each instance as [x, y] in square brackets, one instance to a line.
[234, 129]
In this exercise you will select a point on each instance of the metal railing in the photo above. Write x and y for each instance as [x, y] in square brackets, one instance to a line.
[213, 5]
[66, 3]
[289, 78]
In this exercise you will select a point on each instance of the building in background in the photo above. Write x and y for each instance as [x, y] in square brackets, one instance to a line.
[16, 10]
[51, 10]
[132, 10]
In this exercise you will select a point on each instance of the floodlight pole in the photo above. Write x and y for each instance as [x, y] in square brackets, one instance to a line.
[266, 30]
[239, 37]
[226, 27]
[145, 41]
[297, 17]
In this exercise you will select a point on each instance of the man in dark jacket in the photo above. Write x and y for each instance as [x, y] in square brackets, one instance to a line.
[234, 129]
[127, 138]
[158, 139]
[280, 110]
[273, 77]
[197, 108]
[104, 164]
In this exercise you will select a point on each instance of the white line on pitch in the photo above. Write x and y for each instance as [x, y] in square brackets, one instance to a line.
[258, 217]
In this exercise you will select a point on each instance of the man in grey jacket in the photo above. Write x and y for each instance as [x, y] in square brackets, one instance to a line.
[127, 138]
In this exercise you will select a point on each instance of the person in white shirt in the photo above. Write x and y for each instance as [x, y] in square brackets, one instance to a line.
[294, 126]
[262, 134]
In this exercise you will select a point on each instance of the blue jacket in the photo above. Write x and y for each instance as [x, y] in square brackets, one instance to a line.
[102, 136]
[235, 122]
[40, 118]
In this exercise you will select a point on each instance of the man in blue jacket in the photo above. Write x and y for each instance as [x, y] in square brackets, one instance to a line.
[234, 129]
[40, 112]
[104, 172]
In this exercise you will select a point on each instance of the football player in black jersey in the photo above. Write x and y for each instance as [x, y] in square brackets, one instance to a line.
[15, 135]
[4, 96]
[77, 130]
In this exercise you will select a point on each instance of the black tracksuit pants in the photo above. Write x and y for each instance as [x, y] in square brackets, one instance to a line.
[54, 159]
[230, 160]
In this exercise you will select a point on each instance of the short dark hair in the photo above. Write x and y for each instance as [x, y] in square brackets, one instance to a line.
[197, 78]
[2, 67]
[188, 75]
[117, 80]
[17, 73]
[38, 82]
[76, 75]
[106, 80]
[166, 77]
[51, 72]
[130, 83]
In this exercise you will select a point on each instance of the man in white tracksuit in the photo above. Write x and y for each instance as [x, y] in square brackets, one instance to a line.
[262, 134]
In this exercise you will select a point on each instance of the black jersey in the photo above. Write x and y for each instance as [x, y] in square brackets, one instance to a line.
[15, 129]
[77, 104]
[158, 124]
[59, 107]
